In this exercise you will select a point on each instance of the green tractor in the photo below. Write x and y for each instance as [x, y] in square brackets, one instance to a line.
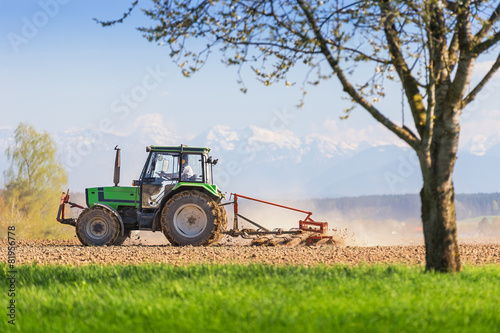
[174, 194]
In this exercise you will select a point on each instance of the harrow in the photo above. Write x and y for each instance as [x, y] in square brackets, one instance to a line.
[308, 230]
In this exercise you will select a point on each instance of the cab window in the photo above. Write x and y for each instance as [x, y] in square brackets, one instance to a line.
[192, 168]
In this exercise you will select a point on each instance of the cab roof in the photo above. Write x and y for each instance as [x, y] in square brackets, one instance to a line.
[178, 149]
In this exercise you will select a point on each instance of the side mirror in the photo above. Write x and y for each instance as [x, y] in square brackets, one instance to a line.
[212, 161]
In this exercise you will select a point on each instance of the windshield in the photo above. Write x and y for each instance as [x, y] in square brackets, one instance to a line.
[164, 166]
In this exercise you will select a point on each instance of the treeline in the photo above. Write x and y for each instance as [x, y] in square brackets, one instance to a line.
[405, 207]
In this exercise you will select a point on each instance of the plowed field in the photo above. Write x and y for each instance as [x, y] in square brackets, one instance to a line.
[70, 252]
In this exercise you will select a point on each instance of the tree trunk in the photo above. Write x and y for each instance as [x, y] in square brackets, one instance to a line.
[440, 225]
[438, 200]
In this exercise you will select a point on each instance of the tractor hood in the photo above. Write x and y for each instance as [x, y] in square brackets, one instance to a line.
[113, 196]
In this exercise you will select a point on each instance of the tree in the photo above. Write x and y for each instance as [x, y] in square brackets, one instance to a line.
[34, 180]
[494, 206]
[428, 47]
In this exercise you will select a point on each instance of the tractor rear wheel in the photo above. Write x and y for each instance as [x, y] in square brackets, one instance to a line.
[97, 226]
[192, 218]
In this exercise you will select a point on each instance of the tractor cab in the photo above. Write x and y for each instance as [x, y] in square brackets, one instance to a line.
[170, 167]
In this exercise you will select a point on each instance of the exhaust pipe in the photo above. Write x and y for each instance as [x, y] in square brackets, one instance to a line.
[116, 178]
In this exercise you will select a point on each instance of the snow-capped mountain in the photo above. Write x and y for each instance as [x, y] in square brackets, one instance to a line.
[258, 161]
[271, 146]
[480, 144]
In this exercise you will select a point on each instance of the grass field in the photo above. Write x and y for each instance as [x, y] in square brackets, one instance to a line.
[258, 298]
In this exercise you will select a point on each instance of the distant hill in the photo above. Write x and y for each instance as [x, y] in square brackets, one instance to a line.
[402, 207]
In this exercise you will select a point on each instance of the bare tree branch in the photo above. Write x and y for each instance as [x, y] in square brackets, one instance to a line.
[487, 44]
[453, 52]
[488, 25]
[403, 132]
[466, 61]
[120, 20]
[472, 95]
[409, 83]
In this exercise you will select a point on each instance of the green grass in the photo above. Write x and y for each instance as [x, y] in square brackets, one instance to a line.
[257, 298]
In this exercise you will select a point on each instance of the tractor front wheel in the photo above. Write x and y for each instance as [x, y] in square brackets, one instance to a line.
[97, 226]
[192, 218]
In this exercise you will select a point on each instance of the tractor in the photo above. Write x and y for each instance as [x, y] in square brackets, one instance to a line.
[174, 194]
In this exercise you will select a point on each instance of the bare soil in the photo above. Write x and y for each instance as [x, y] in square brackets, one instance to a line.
[71, 252]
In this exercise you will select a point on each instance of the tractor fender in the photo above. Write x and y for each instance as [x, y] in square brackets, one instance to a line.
[112, 210]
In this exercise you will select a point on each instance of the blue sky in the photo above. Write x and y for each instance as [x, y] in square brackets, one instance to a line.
[70, 72]
[61, 70]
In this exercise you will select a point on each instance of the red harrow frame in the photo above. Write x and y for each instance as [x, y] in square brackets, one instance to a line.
[61, 212]
[319, 230]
